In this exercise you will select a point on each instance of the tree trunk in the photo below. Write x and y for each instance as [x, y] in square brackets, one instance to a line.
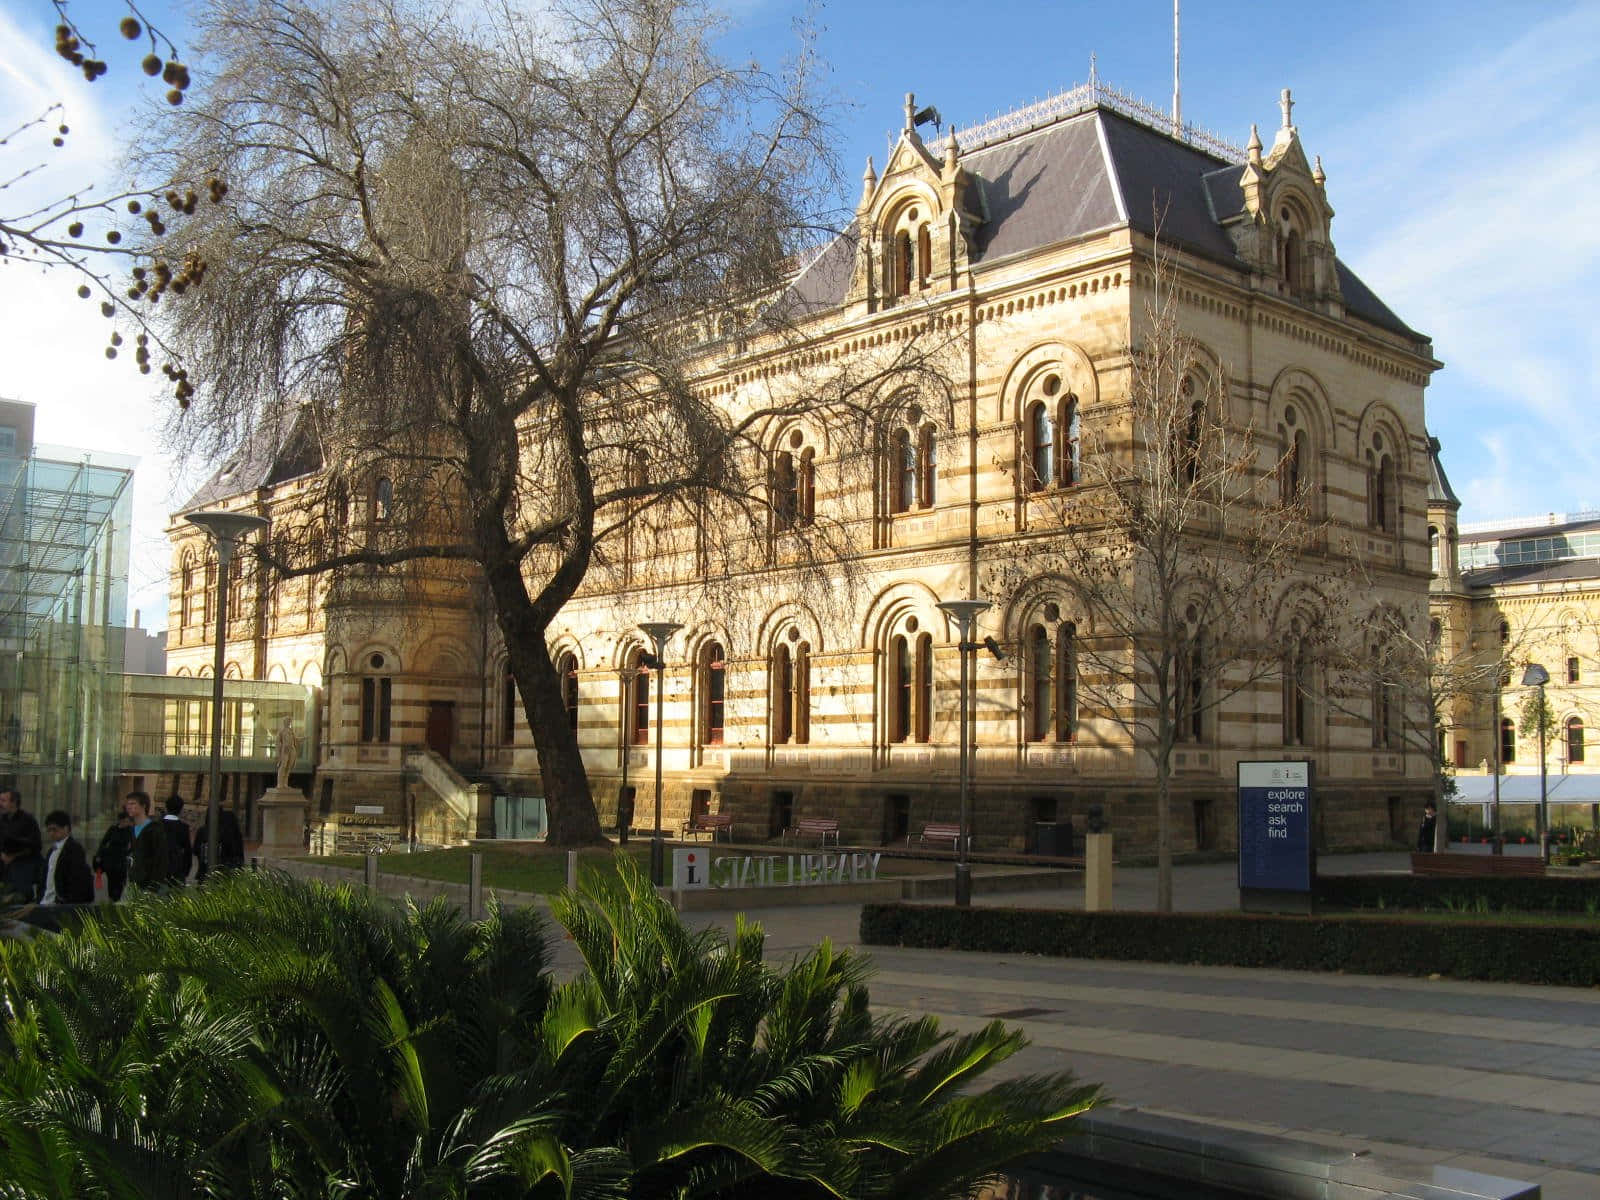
[573, 819]
[1164, 833]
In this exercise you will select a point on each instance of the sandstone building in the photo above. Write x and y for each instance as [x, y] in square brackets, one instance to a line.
[1026, 243]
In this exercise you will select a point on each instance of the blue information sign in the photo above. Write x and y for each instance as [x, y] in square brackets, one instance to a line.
[1275, 826]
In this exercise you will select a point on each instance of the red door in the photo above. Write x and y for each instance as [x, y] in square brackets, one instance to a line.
[441, 733]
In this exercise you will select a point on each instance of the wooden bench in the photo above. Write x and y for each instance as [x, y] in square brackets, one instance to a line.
[1476, 864]
[821, 828]
[940, 831]
[709, 823]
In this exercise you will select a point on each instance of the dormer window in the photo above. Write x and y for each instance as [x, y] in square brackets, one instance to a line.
[908, 253]
[1292, 267]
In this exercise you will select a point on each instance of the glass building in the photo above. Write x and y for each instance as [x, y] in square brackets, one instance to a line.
[65, 522]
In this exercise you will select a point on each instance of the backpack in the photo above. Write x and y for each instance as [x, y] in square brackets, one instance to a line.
[180, 852]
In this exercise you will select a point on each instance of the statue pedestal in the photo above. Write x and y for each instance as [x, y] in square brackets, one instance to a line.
[1097, 872]
[283, 823]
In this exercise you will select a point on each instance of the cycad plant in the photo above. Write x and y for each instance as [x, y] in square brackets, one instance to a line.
[261, 1037]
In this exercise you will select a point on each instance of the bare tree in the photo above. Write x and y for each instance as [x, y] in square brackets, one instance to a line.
[491, 267]
[1179, 536]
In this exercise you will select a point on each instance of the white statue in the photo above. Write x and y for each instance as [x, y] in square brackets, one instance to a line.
[288, 750]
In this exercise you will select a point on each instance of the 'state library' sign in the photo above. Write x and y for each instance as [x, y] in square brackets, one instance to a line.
[695, 868]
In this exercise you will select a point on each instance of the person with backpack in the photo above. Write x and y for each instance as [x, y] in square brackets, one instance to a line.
[180, 847]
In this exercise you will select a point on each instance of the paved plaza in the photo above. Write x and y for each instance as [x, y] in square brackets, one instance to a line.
[1499, 1078]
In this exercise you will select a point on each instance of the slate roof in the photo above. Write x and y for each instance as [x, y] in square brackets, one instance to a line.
[1439, 489]
[1561, 571]
[1082, 175]
[267, 457]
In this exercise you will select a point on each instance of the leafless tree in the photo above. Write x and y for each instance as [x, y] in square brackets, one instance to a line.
[499, 264]
[1180, 536]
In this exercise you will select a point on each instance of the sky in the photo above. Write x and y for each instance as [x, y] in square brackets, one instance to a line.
[1461, 143]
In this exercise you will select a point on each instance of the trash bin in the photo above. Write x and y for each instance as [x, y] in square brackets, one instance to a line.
[1052, 838]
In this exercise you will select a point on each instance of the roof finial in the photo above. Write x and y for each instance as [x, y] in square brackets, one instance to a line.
[869, 181]
[1253, 147]
[911, 112]
[1094, 75]
[1318, 175]
[951, 150]
[1286, 102]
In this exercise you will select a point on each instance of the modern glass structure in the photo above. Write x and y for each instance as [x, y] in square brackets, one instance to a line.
[65, 525]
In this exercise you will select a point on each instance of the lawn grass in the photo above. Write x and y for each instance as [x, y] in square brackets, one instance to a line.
[521, 870]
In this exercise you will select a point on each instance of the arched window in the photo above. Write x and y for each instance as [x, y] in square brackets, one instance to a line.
[924, 256]
[186, 604]
[1071, 435]
[1190, 690]
[1433, 549]
[1574, 739]
[1041, 447]
[508, 708]
[1383, 496]
[383, 499]
[1188, 457]
[713, 686]
[923, 699]
[927, 466]
[236, 584]
[903, 264]
[637, 478]
[1066, 682]
[1296, 697]
[1040, 692]
[1574, 671]
[567, 668]
[1508, 740]
[1293, 266]
[901, 692]
[638, 700]
[377, 698]
[1435, 633]
[902, 471]
[791, 692]
[208, 600]
[806, 487]
[785, 491]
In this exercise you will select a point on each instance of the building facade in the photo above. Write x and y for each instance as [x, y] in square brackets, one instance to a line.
[1027, 246]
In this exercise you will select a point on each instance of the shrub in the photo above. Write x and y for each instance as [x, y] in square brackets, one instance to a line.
[1553, 954]
[1475, 893]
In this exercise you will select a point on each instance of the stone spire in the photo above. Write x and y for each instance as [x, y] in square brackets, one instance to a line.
[911, 112]
[869, 181]
[1286, 103]
[952, 152]
[1253, 149]
[1318, 175]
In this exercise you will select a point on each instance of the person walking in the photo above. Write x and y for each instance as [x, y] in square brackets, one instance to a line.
[116, 844]
[16, 822]
[67, 878]
[230, 851]
[147, 860]
[180, 850]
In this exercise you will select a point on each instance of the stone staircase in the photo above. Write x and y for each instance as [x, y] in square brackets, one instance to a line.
[450, 808]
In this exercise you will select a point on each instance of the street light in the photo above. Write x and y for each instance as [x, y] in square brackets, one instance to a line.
[659, 632]
[225, 529]
[1534, 675]
[965, 614]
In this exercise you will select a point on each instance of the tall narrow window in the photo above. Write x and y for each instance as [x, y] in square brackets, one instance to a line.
[1296, 694]
[508, 709]
[924, 256]
[1574, 739]
[383, 499]
[1190, 691]
[1039, 686]
[567, 668]
[924, 687]
[806, 487]
[903, 265]
[713, 683]
[785, 491]
[1193, 432]
[1071, 438]
[801, 720]
[1508, 741]
[1573, 671]
[208, 597]
[1066, 682]
[1041, 447]
[186, 605]
[782, 694]
[1433, 549]
[639, 703]
[376, 697]
[927, 466]
[902, 471]
[900, 689]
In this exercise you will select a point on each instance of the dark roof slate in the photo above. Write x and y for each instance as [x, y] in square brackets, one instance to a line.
[268, 457]
[1484, 578]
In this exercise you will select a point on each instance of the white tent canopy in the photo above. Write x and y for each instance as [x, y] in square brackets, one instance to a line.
[1524, 789]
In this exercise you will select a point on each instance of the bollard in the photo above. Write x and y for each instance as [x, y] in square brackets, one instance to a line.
[572, 870]
[1097, 872]
[370, 872]
[475, 887]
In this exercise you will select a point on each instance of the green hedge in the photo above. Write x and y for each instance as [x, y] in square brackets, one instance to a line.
[1477, 893]
[1552, 954]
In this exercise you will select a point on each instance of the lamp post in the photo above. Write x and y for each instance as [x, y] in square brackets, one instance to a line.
[659, 632]
[965, 614]
[225, 528]
[1534, 675]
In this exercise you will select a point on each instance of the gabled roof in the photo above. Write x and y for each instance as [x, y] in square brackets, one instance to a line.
[1439, 489]
[268, 457]
[1085, 174]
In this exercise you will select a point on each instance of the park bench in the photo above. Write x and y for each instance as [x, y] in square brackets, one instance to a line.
[940, 831]
[1476, 864]
[708, 823]
[821, 828]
